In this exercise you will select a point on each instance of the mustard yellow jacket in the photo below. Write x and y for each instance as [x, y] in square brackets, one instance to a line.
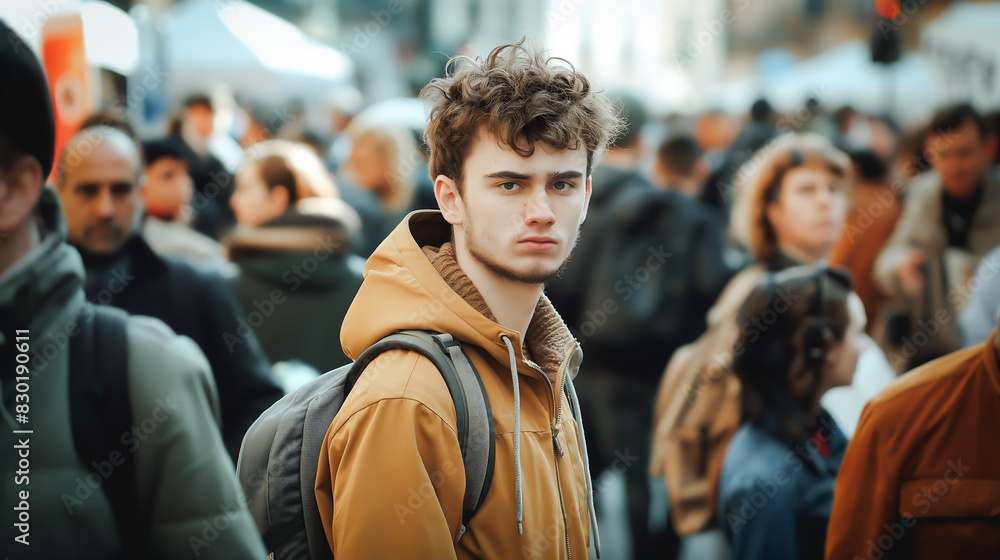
[391, 477]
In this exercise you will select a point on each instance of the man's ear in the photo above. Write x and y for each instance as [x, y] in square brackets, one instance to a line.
[449, 199]
[20, 188]
[586, 202]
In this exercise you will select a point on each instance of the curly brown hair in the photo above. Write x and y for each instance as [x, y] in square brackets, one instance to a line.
[518, 97]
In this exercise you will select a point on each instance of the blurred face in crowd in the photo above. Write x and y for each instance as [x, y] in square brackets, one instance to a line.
[961, 157]
[252, 202]
[368, 166]
[99, 189]
[168, 187]
[200, 119]
[842, 358]
[517, 217]
[810, 212]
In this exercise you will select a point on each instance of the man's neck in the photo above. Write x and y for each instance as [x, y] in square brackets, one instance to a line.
[684, 185]
[802, 255]
[512, 303]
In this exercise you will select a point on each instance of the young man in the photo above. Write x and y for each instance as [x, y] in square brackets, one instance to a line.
[98, 181]
[513, 140]
[172, 467]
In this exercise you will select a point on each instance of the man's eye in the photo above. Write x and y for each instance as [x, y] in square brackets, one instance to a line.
[508, 187]
[562, 186]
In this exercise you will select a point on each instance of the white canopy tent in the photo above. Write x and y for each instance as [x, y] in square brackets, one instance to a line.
[260, 56]
[842, 75]
[963, 50]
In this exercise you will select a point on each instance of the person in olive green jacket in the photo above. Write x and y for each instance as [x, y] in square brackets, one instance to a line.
[297, 276]
[185, 484]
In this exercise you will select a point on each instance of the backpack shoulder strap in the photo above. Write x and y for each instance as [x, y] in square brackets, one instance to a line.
[101, 410]
[472, 405]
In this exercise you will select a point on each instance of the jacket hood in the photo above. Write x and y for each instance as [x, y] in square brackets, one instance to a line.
[413, 282]
[42, 283]
[320, 233]
[43, 288]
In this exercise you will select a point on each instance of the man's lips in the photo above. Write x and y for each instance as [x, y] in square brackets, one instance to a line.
[538, 243]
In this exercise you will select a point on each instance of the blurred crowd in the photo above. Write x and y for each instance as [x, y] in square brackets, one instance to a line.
[253, 245]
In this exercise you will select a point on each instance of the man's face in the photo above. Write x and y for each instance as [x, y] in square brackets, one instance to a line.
[252, 202]
[961, 157]
[168, 187]
[201, 119]
[810, 211]
[101, 198]
[519, 217]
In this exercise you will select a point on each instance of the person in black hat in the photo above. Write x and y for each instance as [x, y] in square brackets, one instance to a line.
[166, 193]
[138, 471]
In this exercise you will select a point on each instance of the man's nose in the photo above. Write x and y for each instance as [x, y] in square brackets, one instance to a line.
[538, 209]
[105, 204]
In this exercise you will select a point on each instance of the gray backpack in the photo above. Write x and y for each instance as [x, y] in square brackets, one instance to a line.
[280, 453]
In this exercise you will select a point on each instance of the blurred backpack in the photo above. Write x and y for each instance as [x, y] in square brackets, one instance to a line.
[698, 410]
[101, 411]
[634, 277]
[280, 454]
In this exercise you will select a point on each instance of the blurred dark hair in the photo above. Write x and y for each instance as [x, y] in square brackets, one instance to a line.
[199, 100]
[761, 111]
[634, 117]
[868, 165]
[955, 116]
[679, 154]
[786, 315]
[520, 98]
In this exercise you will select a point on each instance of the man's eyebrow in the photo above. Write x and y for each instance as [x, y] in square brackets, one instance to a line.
[85, 185]
[508, 175]
[563, 175]
[553, 176]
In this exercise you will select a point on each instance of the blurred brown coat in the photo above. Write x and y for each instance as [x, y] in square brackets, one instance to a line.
[921, 478]
[869, 225]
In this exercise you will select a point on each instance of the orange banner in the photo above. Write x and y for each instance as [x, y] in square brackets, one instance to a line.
[69, 78]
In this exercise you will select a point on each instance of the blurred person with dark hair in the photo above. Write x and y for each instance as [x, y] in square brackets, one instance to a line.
[802, 334]
[213, 183]
[874, 211]
[116, 452]
[755, 134]
[98, 181]
[649, 264]
[920, 478]
[789, 210]
[166, 193]
[293, 249]
[949, 221]
[679, 166]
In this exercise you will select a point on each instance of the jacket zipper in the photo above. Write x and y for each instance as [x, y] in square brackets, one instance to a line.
[557, 451]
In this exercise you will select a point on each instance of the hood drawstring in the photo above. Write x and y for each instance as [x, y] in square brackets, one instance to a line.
[586, 464]
[517, 434]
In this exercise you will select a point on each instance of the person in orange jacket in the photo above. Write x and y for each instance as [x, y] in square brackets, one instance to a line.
[921, 478]
[513, 140]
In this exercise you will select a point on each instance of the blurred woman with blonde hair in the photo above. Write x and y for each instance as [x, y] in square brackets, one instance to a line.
[293, 247]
